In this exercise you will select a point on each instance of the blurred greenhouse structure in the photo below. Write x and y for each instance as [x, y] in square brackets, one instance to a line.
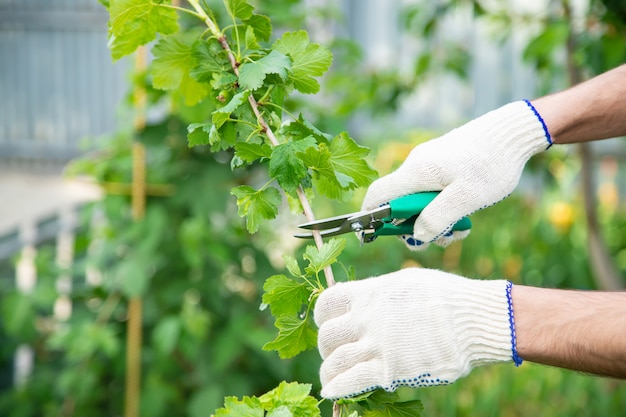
[61, 93]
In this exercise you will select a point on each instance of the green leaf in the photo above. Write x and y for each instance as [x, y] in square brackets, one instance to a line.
[132, 275]
[261, 25]
[250, 38]
[348, 158]
[286, 167]
[402, 409]
[202, 134]
[250, 152]
[239, 9]
[198, 134]
[282, 411]
[227, 136]
[220, 116]
[247, 407]
[309, 60]
[210, 61]
[224, 80]
[295, 335]
[338, 169]
[252, 74]
[284, 295]
[318, 160]
[301, 128]
[294, 396]
[202, 399]
[255, 205]
[326, 255]
[136, 22]
[171, 69]
[292, 266]
[195, 320]
[18, 314]
[165, 334]
[541, 49]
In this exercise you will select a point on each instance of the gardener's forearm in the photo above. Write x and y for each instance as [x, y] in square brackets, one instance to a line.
[595, 109]
[579, 330]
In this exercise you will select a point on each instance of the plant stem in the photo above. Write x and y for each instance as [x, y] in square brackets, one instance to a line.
[207, 20]
[308, 212]
[180, 9]
[306, 206]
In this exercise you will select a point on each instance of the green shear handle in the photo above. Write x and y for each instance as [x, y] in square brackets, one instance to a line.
[409, 207]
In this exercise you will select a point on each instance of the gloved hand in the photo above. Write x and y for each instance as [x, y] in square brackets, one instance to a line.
[415, 327]
[474, 166]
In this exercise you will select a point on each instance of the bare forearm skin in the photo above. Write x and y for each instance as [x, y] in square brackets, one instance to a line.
[579, 330]
[592, 110]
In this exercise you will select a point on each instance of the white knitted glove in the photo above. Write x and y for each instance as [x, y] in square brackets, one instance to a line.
[474, 166]
[415, 327]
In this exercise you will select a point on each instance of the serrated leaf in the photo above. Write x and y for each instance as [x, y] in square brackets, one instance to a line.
[261, 25]
[309, 60]
[239, 9]
[198, 134]
[220, 116]
[301, 128]
[282, 411]
[295, 335]
[252, 74]
[284, 295]
[318, 160]
[171, 68]
[250, 152]
[227, 136]
[348, 158]
[256, 206]
[381, 396]
[401, 409]
[250, 38]
[224, 80]
[247, 407]
[136, 22]
[210, 61]
[326, 255]
[292, 266]
[216, 139]
[286, 167]
[294, 396]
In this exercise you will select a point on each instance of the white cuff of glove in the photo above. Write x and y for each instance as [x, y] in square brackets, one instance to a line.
[414, 327]
[474, 166]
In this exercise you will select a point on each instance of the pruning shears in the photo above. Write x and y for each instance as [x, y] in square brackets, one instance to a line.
[394, 218]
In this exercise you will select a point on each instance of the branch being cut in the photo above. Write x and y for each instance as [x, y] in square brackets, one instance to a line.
[306, 206]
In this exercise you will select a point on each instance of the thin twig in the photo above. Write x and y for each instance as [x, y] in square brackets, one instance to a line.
[306, 206]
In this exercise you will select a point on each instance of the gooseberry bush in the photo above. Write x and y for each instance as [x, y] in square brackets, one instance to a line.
[225, 59]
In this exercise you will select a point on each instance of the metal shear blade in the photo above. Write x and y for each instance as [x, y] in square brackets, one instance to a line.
[324, 224]
[353, 222]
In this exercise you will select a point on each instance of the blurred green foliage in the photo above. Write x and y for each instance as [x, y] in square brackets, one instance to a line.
[203, 330]
[199, 273]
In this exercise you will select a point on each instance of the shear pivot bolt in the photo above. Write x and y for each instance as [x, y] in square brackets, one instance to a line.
[357, 226]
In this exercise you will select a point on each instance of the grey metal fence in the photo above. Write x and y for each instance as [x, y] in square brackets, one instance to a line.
[57, 81]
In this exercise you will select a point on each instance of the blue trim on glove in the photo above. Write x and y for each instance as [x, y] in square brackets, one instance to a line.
[516, 358]
[543, 124]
